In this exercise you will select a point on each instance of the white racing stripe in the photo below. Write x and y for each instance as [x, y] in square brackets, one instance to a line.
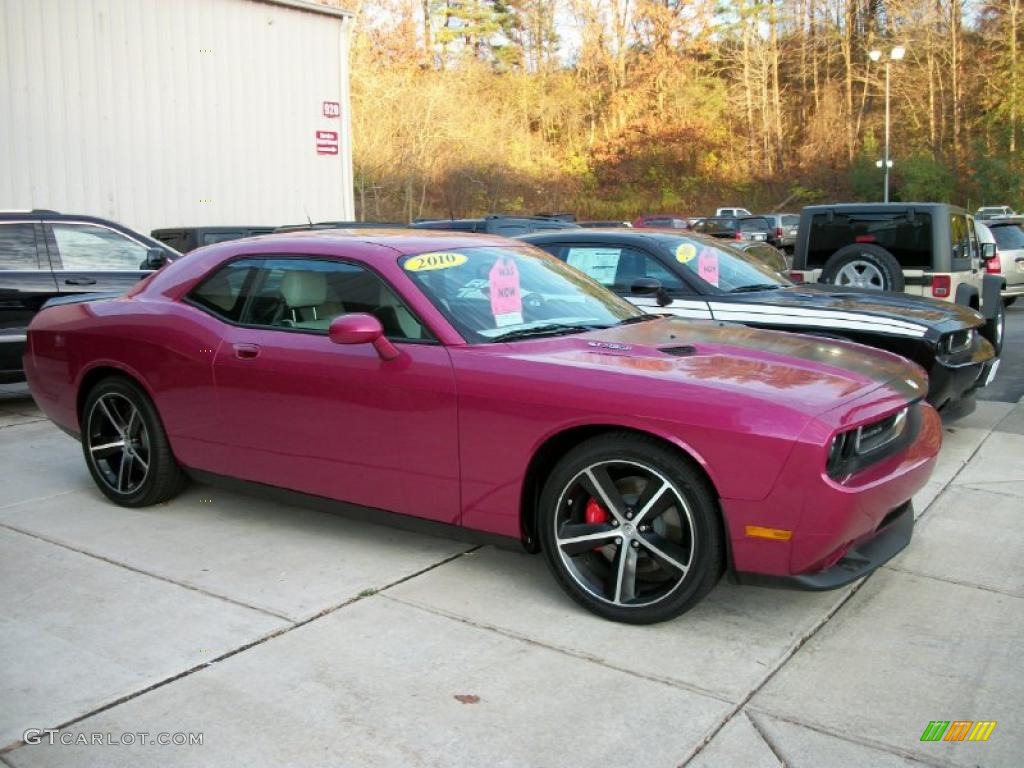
[816, 322]
[769, 312]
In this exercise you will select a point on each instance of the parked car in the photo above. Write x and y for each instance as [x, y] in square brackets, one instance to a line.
[732, 212]
[755, 228]
[925, 249]
[472, 385]
[995, 212]
[662, 220]
[1008, 266]
[768, 255]
[604, 224]
[700, 278]
[782, 230]
[185, 239]
[509, 226]
[44, 254]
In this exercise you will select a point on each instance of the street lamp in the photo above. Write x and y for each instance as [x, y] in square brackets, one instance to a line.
[896, 54]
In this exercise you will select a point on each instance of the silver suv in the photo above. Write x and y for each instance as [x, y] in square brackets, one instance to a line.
[1008, 266]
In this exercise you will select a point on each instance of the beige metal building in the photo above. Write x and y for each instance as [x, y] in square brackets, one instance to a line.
[162, 113]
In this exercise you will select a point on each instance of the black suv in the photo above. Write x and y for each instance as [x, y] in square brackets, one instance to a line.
[507, 226]
[185, 239]
[44, 254]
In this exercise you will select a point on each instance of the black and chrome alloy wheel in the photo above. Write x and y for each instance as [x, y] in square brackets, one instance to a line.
[118, 443]
[630, 528]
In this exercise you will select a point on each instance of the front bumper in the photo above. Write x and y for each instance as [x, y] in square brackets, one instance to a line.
[830, 520]
[888, 540]
[949, 384]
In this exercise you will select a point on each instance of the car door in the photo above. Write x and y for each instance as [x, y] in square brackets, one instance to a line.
[26, 282]
[304, 413]
[92, 258]
[618, 266]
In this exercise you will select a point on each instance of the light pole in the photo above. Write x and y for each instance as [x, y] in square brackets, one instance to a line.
[896, 54]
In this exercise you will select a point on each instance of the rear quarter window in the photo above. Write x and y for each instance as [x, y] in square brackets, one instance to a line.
[18, 246]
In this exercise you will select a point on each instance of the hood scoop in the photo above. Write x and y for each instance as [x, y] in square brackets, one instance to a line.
[684, 350]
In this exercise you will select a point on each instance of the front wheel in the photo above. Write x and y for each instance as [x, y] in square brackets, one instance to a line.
[995, 327]
[630, 530]
[125, 445]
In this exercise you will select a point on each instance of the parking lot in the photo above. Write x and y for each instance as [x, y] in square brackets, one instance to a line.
[283, 636]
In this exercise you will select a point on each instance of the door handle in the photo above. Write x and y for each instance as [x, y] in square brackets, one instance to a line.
[80, 281]
[246, 351]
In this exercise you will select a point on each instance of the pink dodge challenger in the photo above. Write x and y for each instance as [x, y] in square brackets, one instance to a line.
[471, 384]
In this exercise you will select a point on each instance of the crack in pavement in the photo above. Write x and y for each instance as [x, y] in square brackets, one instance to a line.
[582, 656]
[365, 594]
[956, 582]
[764, 737]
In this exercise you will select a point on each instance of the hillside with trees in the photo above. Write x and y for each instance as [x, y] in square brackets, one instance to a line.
[610, 108]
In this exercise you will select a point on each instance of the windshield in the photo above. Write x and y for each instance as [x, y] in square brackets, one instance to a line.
[722, 267]
[499, 293]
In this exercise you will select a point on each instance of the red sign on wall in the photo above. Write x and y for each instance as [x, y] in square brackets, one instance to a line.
[332, 109]
[327, 142]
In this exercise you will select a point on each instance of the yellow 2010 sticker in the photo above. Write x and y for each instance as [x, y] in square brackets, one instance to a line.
[428, 261]
[686, 252]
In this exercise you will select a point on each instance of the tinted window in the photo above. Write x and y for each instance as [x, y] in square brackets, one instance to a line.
[224, 292]
[219, 237]
[1008, 238]
[754, 225]
[307, 294]
[88, 247]
[910, 241]
[18, 247]
[618, 268]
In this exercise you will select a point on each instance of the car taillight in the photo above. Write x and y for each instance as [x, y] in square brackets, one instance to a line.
[994, 266]
[778, 231]
[796, 277]
[739, 236]
[941, 286]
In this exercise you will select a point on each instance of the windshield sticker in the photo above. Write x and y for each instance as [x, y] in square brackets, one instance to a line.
[428, 261]
[506, 299]
[600, 264]
[686, 252]
[707, 266]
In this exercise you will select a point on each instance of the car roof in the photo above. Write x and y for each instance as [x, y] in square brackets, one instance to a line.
[882, 207]
[218, 228]
[404, 241]
[612, 234]
[1018, 220]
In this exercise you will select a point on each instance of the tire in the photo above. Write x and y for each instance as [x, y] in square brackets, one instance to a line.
[995, 328]
[682, 526]
[864, 266]
[141, 474]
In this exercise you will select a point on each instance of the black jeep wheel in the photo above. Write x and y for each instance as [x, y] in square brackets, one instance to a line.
[863, 266]
[995, 327]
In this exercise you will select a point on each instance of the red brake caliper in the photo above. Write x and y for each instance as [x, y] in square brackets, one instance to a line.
[594, 513]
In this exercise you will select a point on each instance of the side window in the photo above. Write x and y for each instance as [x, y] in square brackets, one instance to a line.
[307, 294]
[18, 246]
[88, 247]
[224, 292]
[972, 233]
[209, 238]
[959, 240]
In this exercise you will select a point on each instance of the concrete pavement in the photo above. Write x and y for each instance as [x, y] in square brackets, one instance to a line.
[291, 637]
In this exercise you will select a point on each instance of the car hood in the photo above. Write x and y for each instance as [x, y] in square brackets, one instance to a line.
[929, 313]
[808, 374]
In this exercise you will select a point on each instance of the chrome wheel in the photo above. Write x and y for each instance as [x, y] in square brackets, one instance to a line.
[118, 443]
[624, 533]
[861, 274]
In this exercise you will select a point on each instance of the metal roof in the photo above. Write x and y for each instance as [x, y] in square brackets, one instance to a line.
[303, 5]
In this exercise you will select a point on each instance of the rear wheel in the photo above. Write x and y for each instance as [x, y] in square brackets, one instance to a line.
[125, 445]
[630, 530]
[864, 266]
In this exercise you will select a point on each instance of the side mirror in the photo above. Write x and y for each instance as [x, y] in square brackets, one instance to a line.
[988, 251]
[650, 286]
[361, 328]
[155, 258]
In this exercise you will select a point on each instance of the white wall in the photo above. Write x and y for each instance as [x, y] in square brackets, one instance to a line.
[114, 108]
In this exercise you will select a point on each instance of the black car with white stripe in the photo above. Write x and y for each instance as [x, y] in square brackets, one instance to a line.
[698, 277]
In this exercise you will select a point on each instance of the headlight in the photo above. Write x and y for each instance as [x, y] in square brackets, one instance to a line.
[958, 341]
[856, 448]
